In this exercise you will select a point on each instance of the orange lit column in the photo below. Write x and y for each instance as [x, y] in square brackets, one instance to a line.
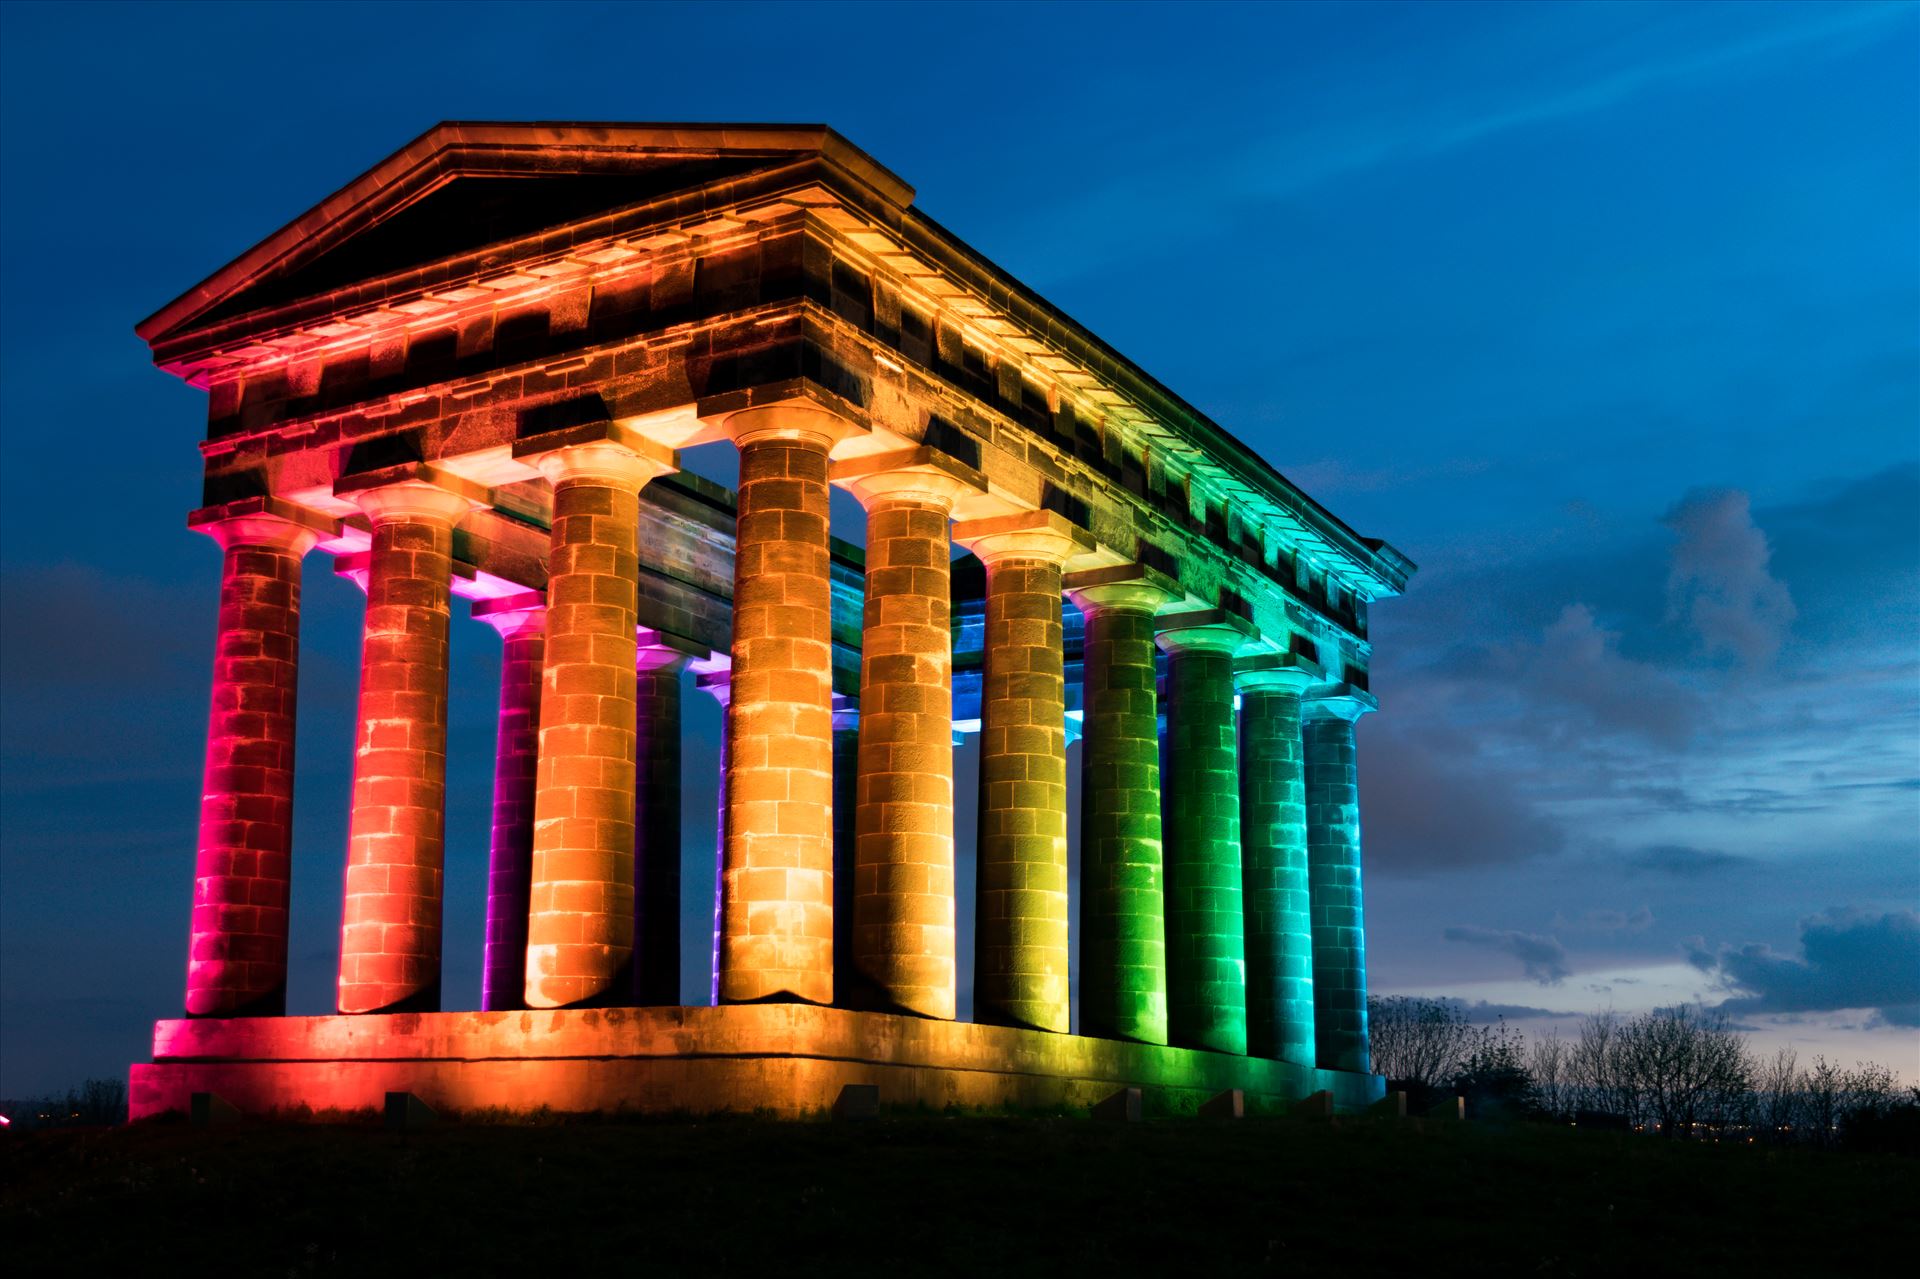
[237, 950]
[580, 914]
[522, 623]
[656, 823]
[1123, 950]
[903, 906]
[777, 916]
[1273, 854]
[1020, 939]
[390, 936]
[1206, 926]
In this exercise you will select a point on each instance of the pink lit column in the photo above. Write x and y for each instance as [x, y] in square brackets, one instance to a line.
[522, 623]
[237, 953]
[656, 825]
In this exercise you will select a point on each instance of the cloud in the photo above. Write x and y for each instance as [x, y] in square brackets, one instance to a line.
[1695, 949]
[1608, 921]
[1544, 958]
[1427, 805]
[1579, 665]
[1721, 582]
[1850, 959]
[1482, 1011]
[1682, 861]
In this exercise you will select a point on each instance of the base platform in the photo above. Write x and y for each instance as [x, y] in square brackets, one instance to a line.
[788, 1060]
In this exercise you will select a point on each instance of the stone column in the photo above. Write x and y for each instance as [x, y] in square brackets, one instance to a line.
[1206, 930]
[1123, 962]
[777, 918]
[1273, 852]
[580, 920]
[656, 825]
[522, 623]
[390, 937]
[1020, 931]
[237, 948]
[1333, 871]
[718, 683]
[903, 907]
[846, 786]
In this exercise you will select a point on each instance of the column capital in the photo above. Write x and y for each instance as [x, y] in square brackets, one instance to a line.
[1028, 535]
[804, 422]
[263, 521]
[606, 451]
[412, 493]
[1274, 673]
[518, 614]
[1339, 701]
[1134, 588]
[663, 650]
[922, 476]
[1210, 630]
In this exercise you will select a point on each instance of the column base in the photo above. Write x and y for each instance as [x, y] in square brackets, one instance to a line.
[786, 1060]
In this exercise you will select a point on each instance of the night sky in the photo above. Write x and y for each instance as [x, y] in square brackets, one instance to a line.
[1608, 316]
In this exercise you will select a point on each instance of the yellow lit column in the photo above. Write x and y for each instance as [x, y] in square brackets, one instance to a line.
[903, 904]
[777, 883]
[1021, 941]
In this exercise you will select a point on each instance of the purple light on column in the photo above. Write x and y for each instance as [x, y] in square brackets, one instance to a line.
[521, 621]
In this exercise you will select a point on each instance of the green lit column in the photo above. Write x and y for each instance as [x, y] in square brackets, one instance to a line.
[1333, 875]
[1206, 930]
[1273, 856]
[1123, 955]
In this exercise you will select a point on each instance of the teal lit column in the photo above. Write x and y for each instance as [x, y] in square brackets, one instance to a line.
[1206, 931]
[1123, 955]
[1333, 875]
[1273, 861]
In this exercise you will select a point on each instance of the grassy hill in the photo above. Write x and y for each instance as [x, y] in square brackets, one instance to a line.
[937, 1195]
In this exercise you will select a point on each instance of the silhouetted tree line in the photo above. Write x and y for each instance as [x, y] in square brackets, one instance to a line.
[1680, 1072]
[94, 1103]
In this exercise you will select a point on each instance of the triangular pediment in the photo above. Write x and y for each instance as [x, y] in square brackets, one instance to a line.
[461, 187]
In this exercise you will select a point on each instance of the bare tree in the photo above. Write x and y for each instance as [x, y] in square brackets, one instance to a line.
[1550, 1062]
[1689, 1069]
[1776, 1088]
[1418, 1041]
[1601, 1083]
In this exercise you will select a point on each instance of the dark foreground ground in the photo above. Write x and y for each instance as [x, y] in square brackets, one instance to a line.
[913, 1196]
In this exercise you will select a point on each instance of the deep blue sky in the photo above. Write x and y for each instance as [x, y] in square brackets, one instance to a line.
[1605, 314]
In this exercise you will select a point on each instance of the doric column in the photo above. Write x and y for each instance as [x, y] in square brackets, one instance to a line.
[1123, 968]
[656, 823]
[390, 935]
[580, 918]
[903, 907]
[1333, 871]
[522, 623]
[1206, 929]
[1020, 930]
[1273, 854]
[237, 949]
[846, 786]
[719, 684]
[777, 919]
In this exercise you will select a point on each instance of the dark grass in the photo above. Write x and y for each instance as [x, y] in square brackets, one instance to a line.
[933, 1195]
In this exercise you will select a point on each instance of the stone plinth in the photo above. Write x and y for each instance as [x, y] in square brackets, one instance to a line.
[783, 1059]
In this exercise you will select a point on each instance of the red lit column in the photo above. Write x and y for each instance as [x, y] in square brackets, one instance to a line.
[237, 951]
[522, 623]
[580, 913]
[777, 920]
[656, 824]
[390, 938]
[1020, 930]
